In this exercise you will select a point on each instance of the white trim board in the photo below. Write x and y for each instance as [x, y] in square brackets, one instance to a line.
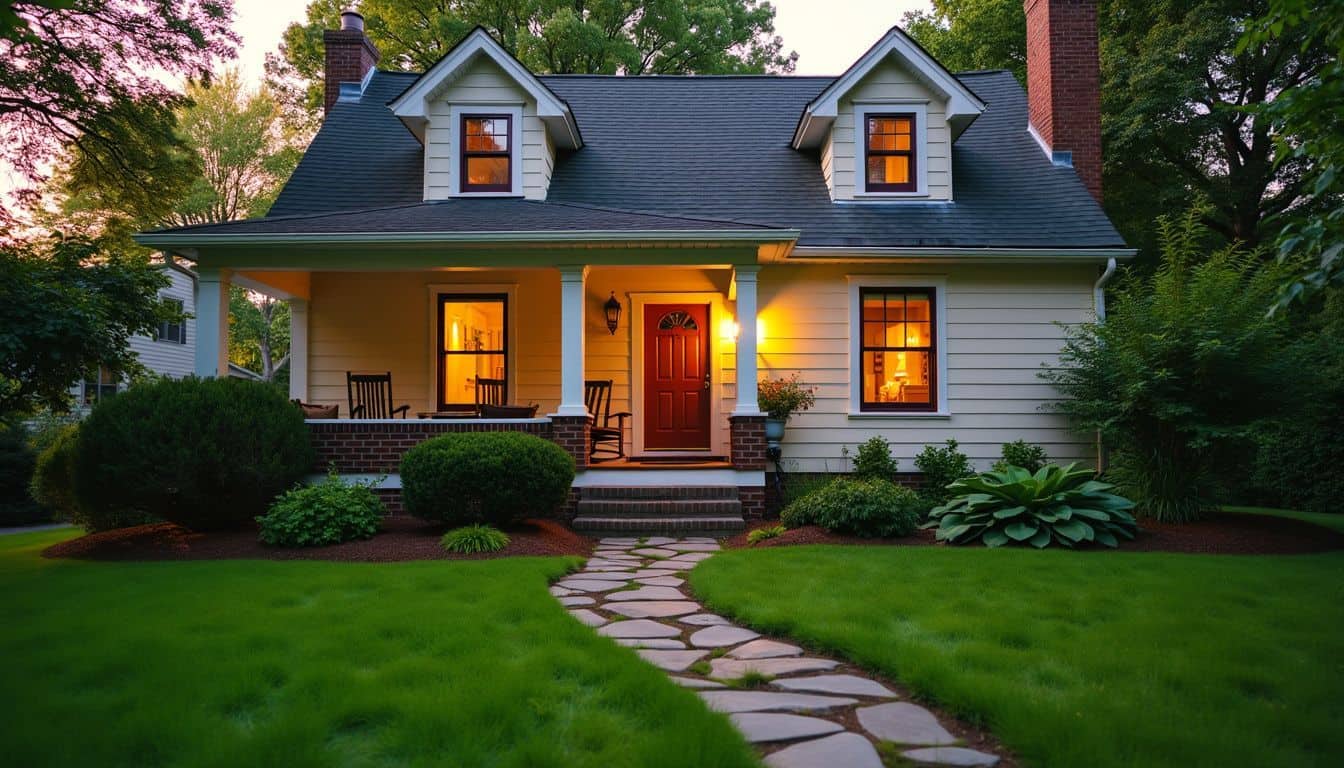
[939, 285]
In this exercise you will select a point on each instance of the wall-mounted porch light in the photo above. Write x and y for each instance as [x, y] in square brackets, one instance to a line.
[729, 330]
[613, 311]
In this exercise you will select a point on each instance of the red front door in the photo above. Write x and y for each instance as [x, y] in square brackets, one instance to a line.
[676, 377]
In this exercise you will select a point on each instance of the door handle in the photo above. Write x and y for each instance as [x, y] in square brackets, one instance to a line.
[706, 381]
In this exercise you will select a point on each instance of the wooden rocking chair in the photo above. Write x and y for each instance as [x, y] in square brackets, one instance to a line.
[597, 396]
[371, 396]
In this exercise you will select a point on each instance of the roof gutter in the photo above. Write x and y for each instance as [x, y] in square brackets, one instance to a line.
[187, 239]
[818, 253]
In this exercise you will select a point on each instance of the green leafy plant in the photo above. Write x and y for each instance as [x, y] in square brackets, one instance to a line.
[750, 680]
[873, 460]
[485, 477]
[53, 484]
[327, 512]
[1020, 453]
[475, 540]
[203, 453]
[17, 460]
[781, 398]
[941, 467]
[761, 534]
[869, 508]
[1064, 506]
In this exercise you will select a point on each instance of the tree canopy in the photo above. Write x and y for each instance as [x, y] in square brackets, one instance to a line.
[550, 36]
[96, 74]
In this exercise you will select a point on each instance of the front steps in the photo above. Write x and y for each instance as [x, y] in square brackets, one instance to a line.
[705, 510]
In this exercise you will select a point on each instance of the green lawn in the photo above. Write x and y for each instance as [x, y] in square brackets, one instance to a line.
[1335, 521]
[324, 664]
[1077, 659]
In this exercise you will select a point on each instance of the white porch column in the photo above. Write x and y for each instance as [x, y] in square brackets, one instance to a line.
[298, 349]
[572, 300]
[212, 322]
[745, 277]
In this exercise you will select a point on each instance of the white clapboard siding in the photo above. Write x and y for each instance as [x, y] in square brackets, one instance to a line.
[484, 83]
[1003, 324]
[169, 358]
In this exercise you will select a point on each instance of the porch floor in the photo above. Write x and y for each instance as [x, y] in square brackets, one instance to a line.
[668, 463]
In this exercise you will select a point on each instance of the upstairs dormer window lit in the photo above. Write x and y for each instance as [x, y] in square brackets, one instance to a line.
[487, 153]
[890, 153]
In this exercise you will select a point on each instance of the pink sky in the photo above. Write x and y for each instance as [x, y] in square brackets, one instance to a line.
[827, 34]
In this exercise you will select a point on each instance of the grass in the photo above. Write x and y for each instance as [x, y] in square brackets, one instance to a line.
[1076, 658]
[1335, 521]
[296, 664]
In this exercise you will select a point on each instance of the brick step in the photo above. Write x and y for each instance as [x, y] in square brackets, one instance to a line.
[654, 507]
[689, 526]
[660, 492]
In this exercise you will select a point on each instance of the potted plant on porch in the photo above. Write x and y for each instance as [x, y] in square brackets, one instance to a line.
[781, 398]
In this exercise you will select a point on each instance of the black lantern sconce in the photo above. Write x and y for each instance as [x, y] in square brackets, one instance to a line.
[613, 310]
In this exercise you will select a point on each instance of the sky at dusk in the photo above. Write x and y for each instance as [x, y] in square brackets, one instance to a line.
[827, 34]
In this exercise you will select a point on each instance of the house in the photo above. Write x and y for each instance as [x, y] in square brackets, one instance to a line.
[908, 240]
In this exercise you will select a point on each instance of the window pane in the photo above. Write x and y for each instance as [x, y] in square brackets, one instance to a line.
[473, 325]
[897, 169]
[493, 171]
[896, 377]
[917, 307]
[461, 371]
[874, 335]
[487, 143]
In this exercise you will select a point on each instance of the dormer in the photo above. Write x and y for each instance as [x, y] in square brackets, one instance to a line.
[489, 127]
[885, 127]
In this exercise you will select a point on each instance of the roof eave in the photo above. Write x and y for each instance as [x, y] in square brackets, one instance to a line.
[960, 253]
[191, 240]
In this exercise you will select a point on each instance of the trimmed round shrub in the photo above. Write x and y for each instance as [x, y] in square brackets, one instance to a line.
[485, 477]
[202, 453]
[868, 508]
[475, 539]
[328, 512]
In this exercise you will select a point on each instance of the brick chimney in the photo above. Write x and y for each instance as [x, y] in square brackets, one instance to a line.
[1064, 83]
[350, 56]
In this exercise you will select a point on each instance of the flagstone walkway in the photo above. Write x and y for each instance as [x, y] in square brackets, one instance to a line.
[801, 710]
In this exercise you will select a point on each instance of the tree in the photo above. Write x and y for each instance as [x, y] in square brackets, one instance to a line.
[550, 36]
[258, 332]
[1186, 364]
[1309, 122]
[94, 73]
[67, 307]
[1179, 100]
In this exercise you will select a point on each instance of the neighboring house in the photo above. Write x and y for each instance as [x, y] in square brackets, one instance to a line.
[910, 241]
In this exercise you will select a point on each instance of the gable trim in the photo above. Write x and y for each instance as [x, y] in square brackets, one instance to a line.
[963, 106]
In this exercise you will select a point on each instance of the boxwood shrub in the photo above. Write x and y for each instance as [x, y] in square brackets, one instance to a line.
[861, 507]
[203, 453]
[328, 512]
[494, 478]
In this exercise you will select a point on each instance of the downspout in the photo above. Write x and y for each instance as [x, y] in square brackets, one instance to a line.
[1099, 307]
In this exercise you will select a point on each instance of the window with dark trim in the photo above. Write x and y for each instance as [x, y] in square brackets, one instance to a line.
[172, 331]
[99, 388]
[473, 346]
[889, 159]
[898, 359]
[487, 158]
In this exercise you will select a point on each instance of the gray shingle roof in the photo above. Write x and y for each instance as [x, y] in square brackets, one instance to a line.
[716, 149]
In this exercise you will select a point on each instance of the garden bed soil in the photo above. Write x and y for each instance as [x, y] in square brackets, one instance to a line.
[401, 538]
[1223, 534]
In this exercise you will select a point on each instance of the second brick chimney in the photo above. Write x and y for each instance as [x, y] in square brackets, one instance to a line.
[350, 56]
[1064, 83]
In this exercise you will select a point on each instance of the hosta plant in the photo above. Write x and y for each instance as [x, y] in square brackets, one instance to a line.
[1057, 505]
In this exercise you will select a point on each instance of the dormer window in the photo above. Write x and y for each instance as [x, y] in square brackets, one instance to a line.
[890, 161]
[487, 153]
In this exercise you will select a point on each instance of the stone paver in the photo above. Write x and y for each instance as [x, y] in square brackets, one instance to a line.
[639, 628]
[759, 726]
[721, 636]
[633, 592]
[843, 750]
[672, 661]
[587, 617]
[731, 669]
[765, 649]
[958, 756]
[652, 609]
[647, 593]
[703, 620]
[904, 723]
[769, 701]
[848, 685]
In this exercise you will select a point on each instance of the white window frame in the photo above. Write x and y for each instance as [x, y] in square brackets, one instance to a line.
[936, 283]
[455, 142]
[181, 324]
[511, 355]
[920, 110]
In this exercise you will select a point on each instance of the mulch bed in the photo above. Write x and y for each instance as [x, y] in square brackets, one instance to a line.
[1224, 534]
[402, 538]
